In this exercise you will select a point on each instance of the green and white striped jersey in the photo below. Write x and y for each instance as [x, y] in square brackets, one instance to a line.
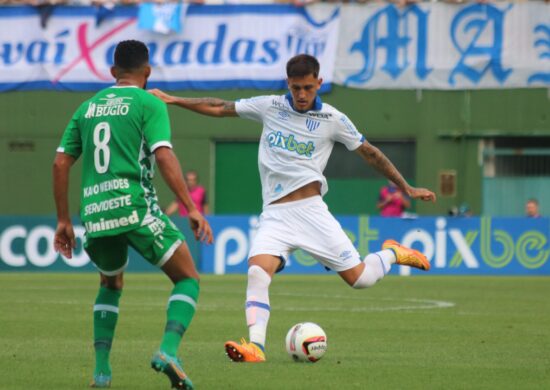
[116, 132]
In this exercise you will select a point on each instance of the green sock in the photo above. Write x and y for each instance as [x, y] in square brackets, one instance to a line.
[181, 308]
[105, 318]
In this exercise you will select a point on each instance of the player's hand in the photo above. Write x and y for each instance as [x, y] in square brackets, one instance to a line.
[168, 99]
[423, 194]
[200, 227]
[64, 241]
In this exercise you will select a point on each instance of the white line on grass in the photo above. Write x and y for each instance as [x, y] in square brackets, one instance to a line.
[411, 304]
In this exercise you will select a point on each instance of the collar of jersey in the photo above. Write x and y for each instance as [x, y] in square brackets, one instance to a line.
[317, 105]
[124, 86]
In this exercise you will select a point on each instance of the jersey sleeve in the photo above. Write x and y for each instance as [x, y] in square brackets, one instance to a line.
[347, 134]
[253, 108]
[156, 124]
[71, 141]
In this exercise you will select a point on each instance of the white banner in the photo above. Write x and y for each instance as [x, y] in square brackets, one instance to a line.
[444, 46]
[228, 46]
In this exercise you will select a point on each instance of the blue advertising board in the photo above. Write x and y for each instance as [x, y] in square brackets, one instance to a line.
[456, 246]
[26, 244]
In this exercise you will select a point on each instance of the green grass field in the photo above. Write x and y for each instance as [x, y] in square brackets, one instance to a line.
[405, 333]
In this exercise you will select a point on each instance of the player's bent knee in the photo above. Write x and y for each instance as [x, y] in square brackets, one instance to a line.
[365, 280]
[180, 265]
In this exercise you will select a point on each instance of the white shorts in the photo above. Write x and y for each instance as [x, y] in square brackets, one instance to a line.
[308, 225]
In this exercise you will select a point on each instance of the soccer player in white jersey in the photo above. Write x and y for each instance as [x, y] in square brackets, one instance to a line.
[299, 132]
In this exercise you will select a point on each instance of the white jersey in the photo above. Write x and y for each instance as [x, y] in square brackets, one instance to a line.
[295, 147]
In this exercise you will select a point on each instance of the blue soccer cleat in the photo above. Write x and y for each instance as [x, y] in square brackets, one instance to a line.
[171, 367]
[101, 381]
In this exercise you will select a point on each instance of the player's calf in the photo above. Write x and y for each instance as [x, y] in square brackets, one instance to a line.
[377, 265]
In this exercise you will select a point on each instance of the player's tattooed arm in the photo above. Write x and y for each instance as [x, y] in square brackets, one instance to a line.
[375, 158]
[207, 106]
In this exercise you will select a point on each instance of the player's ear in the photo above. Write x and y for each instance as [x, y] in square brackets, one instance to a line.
[319, 81]
[147, 71]
[113, 72]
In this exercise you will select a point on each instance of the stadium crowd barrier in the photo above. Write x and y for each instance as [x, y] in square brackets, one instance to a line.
[455, 246]
[295, 2]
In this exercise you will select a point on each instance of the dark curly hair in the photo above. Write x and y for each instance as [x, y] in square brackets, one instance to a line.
[131, 54]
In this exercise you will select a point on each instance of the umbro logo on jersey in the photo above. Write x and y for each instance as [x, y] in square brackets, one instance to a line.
[345, 255]
[283, 115]
[312, 124]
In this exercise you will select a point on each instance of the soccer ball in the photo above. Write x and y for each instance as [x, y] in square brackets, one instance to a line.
[306, 342]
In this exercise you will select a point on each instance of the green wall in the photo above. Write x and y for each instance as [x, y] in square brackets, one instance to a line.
[446, 125]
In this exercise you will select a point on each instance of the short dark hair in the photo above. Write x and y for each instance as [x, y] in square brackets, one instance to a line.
[131, 55]
[302, 65]
[533, 200]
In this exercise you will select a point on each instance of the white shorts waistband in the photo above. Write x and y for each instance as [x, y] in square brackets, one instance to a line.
[295, 203]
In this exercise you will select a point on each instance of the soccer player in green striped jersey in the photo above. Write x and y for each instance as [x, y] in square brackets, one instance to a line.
[120, 133]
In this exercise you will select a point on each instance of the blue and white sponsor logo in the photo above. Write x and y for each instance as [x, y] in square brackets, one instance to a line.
[457, 246]
[290, 143]
[312, 124]
[30, 245]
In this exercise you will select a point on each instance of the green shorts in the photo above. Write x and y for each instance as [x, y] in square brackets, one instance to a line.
[156, 242]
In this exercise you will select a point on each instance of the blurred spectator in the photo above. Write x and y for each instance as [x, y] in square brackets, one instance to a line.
[392, 202]
[461, 211]
[198, 194]
[532, 208]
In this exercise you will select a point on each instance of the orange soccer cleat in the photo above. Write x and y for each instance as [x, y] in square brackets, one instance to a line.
[244, 352]
[407, 256]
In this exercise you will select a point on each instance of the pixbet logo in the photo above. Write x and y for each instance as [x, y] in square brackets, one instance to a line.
[21, 247]
[232, 244]
[290, 143]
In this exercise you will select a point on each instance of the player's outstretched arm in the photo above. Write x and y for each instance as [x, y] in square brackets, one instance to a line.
[170, 169]
[64, 240]
[374, 157]
[207, 106]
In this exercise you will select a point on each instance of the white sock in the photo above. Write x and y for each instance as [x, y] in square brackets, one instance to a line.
[387, 256]
[377, 265]
[257, 304]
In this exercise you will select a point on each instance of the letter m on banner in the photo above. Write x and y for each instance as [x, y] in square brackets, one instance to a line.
[392, 31]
